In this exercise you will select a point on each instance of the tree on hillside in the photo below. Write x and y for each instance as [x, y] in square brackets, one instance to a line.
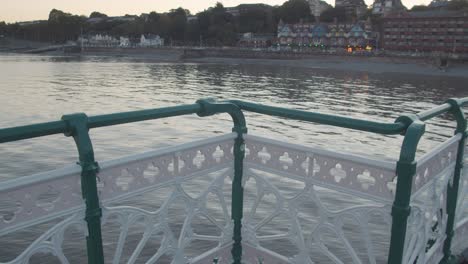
[329, 15]
[257, 21]
[178, 24]
[3, 28]
[192, 33]
[97, 14]
[64, 26]
[293, 11]
[217, 27]
[151, 23]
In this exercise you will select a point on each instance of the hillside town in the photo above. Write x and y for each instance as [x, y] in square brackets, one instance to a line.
[349, 26]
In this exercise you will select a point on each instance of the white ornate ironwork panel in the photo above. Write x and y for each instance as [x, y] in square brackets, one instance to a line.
[38, 198]
[158, 223]
[219, 255]
[460, 241]
[352, 174]
[436, 163]
[462, 203]
[258, 255]
[428, 220]
[51, 241]
[435, 253]
[33, 200]
[173, 168]
[136, 174]
[288, 204]
[460, 238]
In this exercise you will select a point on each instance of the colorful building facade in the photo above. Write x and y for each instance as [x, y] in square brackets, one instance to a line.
[335, 35]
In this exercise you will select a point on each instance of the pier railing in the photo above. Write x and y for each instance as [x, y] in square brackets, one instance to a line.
[240, 198]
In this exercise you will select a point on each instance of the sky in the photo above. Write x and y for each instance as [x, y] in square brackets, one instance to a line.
[25, 10]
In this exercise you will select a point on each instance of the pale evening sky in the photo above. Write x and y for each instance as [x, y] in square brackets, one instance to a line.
[23, 10]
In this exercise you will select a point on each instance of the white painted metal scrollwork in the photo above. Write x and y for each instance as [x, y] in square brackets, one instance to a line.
[309, 169]
[327, 220]
[349, 173]
[50, 242]
[428, 218]
[287, 186]
[158, 222]
[460, 242]
[136, 174]
[435, 164]
[39, 198]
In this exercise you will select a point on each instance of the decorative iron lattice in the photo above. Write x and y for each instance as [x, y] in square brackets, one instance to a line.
[288, 190]
[460, 242]
[48, 196]
[428, 220]
[435, 164]
[352, 174]
[313, 171]
[40, 198]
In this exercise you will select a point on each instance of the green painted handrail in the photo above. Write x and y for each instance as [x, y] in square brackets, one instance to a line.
[453, 186]
[406, 169]
[326, 119]
[210, 107]
[78, 129]
[58, 127]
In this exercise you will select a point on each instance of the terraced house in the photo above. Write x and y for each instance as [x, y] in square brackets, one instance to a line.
[336, 35]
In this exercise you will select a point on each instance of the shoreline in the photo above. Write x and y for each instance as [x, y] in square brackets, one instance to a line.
[346, 63]
[375, 65]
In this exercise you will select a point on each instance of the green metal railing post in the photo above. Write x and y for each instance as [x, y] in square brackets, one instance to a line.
[77, 127]
[453, 186]
[406, 169]
[210, 107]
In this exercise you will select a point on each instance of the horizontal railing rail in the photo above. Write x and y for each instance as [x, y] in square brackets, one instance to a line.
[407, 169]
[58, 127]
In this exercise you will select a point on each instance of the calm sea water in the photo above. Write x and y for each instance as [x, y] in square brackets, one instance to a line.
[41, 88]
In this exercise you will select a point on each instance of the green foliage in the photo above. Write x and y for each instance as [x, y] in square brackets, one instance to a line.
[3, 28]
[96, 14]
[294, 11]
[64, 26]
[213, 27]
[178, 24]
[333, 13]
[257, 21]
[192, 33]
[217, 27]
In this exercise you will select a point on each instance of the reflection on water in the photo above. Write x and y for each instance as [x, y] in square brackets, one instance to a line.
[35, 89]
[38, 88]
